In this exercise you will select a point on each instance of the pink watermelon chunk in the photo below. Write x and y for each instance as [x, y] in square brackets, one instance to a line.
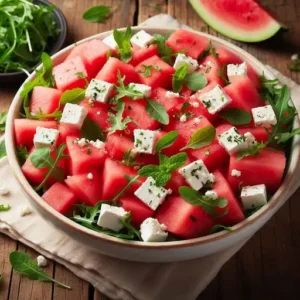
[235, 213]
[87, 190]
[192, 43]
[25, 130]
[110, 70]
[184, 219]
[141, 54]
[45, 99]
[66, 130]
[64, 203]
[65, 74]
[84, 159]
[158, 78]
[266, 168]
[139, 211]
[93, 54]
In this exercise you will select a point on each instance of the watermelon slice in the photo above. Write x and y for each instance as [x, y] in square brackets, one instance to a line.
[140, 54]
[66, 130]
[244, 20]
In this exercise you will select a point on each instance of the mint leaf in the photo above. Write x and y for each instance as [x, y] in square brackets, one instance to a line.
[96, 14]
[201, 138]
[166, 141]
[124, 45]
[73, 96]
[236, 116]
[91, 130]
[150, 171]
[4, 207]
[3, 116]
[148, 70]
[22, 263]
[176, 161]
[157, 112]
[219, 228]
[178, 78]
[253, 150]
[2, 149]
[22, 154]
[195, 81]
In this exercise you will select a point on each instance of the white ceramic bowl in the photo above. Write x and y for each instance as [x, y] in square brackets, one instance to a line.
[155, 252]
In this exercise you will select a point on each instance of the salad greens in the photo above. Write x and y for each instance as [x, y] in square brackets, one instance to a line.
[97, 14]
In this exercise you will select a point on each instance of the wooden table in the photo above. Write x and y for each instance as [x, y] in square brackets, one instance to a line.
[268, 265]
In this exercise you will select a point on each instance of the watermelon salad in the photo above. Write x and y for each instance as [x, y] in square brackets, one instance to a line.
[153, 138]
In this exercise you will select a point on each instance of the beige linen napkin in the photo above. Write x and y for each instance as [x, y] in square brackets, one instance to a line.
[113, 277]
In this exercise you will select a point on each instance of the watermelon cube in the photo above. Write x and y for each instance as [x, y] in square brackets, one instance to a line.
[266, 168]
[110, 70]
[45, 99]
[158, 78]
[139, 210]
[25, 130]
[93, 54]
[60, 197]
[140, 54]
[65, 74]
[66, 130]
[192, 43]
[183, 219]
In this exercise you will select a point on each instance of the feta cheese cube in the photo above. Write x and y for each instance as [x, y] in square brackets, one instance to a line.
[153, 231]
[144, 141]
[110, 217]
[264, 116]
[215, 100]
[97, 144]
[142, 39]
[42, 261]
[110, 42]
[233, 141]
[151, 194]
[45, 137]
[73, 114]
[250, 139]
[99, 90]
[236, 71]
[183, 118]
[236, 173]
[254, 196]
[182, 59]
[196, 174]
[211, 194]
[170, 94]
[142, 88]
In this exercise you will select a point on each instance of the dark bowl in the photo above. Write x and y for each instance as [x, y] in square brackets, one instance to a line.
[16, 78]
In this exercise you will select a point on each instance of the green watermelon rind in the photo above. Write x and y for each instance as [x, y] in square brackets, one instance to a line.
[229, 31]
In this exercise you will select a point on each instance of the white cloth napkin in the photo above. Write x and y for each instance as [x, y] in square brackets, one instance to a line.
[115, 278]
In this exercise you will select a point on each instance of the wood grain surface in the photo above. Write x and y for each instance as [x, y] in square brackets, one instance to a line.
[268, 266]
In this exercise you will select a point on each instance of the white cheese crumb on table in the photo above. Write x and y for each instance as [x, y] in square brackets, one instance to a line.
[142, 39]
[182, 59]
[73, 114]
[264, 116]
[42, 261]
[236, 71]
[45, 137]
[144, 141]
[99, 90]
[254, 196]
[153, 231]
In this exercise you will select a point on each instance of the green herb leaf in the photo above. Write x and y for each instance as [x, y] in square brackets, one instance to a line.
[157, 112]
[124, 45]
[195, 81]
[22, 263]
[167, 140]
[221, 73]
[285, 136]
[5, 207]
[254, 150]
[208, 204]
[236, 116]
[2, 149]
[91, 130]
[201, 138]
[3, 116]
[130, 181]
[219, 228]
[22, 154]
[96, 13]
[73, 96]
[148, 70]
[40, 115]
[178, 78]
[128, 158]
[249, 212]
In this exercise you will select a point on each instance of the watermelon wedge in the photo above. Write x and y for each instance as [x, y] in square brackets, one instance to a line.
[245, 21]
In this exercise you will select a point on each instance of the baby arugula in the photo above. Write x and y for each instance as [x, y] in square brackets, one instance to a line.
[148, 70]
[23, 264]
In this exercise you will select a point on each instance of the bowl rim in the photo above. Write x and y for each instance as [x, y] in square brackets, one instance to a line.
[273, 204]
[57, 44]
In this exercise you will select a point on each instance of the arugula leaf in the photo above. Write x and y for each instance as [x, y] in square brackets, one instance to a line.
[128, 159]
[41, 116]
[42, 158]
[22, 154]
[219, 228]
[253, 150]
[116, 120]
[157, 112]
[167, 140]
[22, 263]
[96, 13]
[74, 96]
[208, 204]
[148, 70]
[5, 207]
[130, 180]
[124, 45]
[2, 149]
[91, 130]
[285, 136]
[195, 81]
[3, 116]
[221, 73]
[178, 78]
[201, 138]
[236, 116]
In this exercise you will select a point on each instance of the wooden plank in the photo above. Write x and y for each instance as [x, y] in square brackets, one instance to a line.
[148, 9]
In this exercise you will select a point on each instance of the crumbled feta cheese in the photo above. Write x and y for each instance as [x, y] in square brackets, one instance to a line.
[254, 196]
[3, 190]
[236, 173]
[142, 39]
[196, 174]
[42, 261]
[97, 144]
[197, 120]
[170, 94]
[110, 42]
[98, 113]
[45, 137]
[264, 116]
[183, 118]
[110, 217]
[144, 141]
[142, 88]
[211, 194]
[25, 210]
[295, 56]
[195, 104]
[91, 102]
[250, 139]
[151, 194]
[153, 231]
[81, 142]
[99, 90]
[90, 176]
[236, 71]
[73, 114]
[182, 59]
[215, 100]
[232, 141]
